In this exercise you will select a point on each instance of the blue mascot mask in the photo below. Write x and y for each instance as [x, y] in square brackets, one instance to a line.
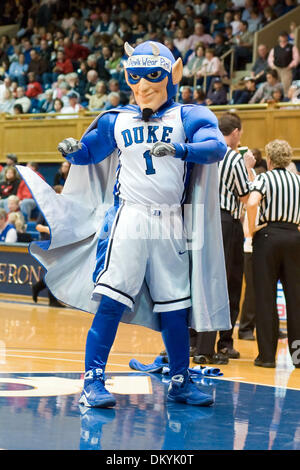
[154, 62]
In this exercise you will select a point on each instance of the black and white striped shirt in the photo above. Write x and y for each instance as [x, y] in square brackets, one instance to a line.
[233, 182]
[280, 190]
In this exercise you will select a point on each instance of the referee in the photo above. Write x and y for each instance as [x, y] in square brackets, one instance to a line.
[235, 174]
[276, 251]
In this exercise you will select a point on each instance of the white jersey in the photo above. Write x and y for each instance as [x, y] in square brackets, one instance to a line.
[142, 178]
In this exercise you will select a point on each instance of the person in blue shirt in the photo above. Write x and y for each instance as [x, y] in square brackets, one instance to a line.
[17, 71]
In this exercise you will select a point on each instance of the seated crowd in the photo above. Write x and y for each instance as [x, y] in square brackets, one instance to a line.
[18, 210]
[65, 58]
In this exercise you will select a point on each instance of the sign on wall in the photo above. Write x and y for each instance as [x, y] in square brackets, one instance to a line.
[19, 271]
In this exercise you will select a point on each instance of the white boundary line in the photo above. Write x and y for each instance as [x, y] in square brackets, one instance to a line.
[227, 379]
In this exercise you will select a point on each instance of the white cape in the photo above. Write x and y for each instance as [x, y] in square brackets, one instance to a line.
[75, 218]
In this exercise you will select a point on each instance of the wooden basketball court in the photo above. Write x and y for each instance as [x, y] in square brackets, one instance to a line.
[42, 358]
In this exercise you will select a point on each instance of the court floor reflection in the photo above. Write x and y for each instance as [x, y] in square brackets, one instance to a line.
[245, 416]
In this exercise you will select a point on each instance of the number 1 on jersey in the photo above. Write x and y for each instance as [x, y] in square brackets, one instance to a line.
[149, 164]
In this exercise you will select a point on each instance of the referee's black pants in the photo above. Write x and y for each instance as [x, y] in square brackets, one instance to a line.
[233, 242]
[276, 255]
[247, 319]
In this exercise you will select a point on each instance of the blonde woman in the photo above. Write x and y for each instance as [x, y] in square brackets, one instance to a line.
[276, 251]
[8, 233]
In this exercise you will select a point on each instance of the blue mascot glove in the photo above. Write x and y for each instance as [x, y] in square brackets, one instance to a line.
[161, 149]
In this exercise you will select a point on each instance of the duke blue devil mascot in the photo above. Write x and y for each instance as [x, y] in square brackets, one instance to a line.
[145, 161]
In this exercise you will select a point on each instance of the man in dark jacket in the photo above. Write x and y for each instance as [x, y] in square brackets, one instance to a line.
[217, 95]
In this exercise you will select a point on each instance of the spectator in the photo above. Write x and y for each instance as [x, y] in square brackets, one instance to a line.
[217, 95]
[170, 45]
[34, 88]
[268, 16]
[199, 96]
[277, 96]
[92, 79]
[258, 71]
[292, 32]
[57, 93]
[98, 100]
[236, 23]
[18, 69]
[229, 37]
[8, 102]
[3, 57]
[246, 13]
[113, 100]
[45, 52]
[74, 105]
[11, 161]
[47, 103]
[15, 219]
[58, 106]
[4, 86]
[284, 58]
[186, 95]
[219, 45]
[27, 46]
[114, 86]
[181, 42]
[244, 95]
[62, 92]
[193, 65]
[211, 67]
[294, 94]
[277, 7]
[73, 51]
[17, 109]
[13, 205]
[189, 16]
[62, 174]
[9, 185]
[264, 92]
[288, 6]
[260, 164]
[77, 82]
[199, 35]
[22, 100]
[27, 203]
[106, 25]
[255, 20]
[243, 47]
[63, 64]
[8, 233]
[37, 65]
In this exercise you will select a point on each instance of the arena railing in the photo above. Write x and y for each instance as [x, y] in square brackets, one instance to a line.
[34, 137]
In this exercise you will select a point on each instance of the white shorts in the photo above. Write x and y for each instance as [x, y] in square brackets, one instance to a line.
[144, 244]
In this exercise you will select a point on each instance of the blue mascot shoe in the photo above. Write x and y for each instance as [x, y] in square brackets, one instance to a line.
[182, 389]
[94, 393]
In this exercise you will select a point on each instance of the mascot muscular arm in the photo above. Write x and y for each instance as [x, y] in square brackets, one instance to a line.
[205, 141]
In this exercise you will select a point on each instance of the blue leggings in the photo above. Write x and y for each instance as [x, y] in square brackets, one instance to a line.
[100, 338]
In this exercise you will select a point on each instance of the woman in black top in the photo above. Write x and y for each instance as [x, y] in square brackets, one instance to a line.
[10, 183]
[276, 251]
